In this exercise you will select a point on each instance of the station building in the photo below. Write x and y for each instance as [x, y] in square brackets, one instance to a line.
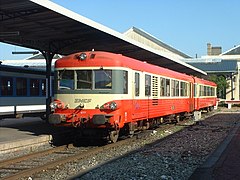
[149, 40]
[225, 64]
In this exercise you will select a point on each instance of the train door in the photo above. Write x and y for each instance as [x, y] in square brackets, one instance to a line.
[137, 112]
[191, 97]
[195, 96]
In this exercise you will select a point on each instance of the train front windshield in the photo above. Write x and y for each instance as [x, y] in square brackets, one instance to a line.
[100, 79]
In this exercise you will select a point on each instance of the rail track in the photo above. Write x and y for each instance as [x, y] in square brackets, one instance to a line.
[26, 166]
[29, 164]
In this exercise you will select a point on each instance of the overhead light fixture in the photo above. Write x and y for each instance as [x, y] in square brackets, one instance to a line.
[7, 33]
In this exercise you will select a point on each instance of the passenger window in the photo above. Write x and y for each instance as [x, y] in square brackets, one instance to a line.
[43, 87]
[162, 86]
[34, 87]
[177, 88]
[6, 86]
[168, 87]
[173, 87]
[137, 84]
[183, 89]
[21, 86]
[125, 83]
[147, 85]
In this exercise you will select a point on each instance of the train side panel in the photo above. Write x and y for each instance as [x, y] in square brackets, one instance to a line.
[205, 94]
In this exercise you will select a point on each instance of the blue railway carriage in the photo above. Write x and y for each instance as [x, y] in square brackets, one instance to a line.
[22, 92]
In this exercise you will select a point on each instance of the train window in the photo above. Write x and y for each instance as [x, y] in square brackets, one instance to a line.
[175, 87]
[183, 89]
[195, 90]
[168, 87]
[147, 85]
[137, 84]
[7, 86]
[162, 86]
[66, 79]
[84, 79]
[43, 87]
[125, 83]
[21, 86]
[103, 79]
[205, 91]
[34, 87]
[201, 90]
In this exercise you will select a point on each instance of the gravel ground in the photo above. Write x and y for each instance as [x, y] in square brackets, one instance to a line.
[154, 157]
[174, 158]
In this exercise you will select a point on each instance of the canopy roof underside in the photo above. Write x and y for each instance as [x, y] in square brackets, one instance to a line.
[46, 26]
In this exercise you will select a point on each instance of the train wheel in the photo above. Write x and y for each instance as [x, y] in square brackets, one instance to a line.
[113, 136]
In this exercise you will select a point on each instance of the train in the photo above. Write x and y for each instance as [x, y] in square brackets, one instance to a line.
[22, 92]
[108, 95]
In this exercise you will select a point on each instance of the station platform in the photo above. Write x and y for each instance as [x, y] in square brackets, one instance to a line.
[16, 134]
[224, 162]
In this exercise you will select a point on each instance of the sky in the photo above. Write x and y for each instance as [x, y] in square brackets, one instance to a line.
[186, 25]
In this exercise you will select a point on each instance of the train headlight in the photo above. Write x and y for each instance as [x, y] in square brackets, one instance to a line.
[113, 105]
[53, 105]
[109, 106]
[57, 105]
[82, 56]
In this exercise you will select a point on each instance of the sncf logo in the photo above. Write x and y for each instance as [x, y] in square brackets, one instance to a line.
[82, 100]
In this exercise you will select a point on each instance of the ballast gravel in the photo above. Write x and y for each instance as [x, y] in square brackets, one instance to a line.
[174, 158]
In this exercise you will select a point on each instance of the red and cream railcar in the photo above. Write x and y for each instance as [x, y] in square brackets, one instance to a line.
[110, 93]
[204, 94]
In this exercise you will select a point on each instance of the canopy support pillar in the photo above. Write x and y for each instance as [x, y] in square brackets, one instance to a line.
[48, 57]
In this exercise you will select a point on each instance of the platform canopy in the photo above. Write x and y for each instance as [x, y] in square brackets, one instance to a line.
[48, 27]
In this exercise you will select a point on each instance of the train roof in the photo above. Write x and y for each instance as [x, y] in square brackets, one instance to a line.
[204, 82]
[107, 59]
[21, 69]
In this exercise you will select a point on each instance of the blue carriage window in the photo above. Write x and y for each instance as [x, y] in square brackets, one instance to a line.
[21, 86]
[34, 87]
[43, 87]
[6, 86]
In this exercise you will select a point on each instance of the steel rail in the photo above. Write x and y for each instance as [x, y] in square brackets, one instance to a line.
[80, 155]
[33, 155]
